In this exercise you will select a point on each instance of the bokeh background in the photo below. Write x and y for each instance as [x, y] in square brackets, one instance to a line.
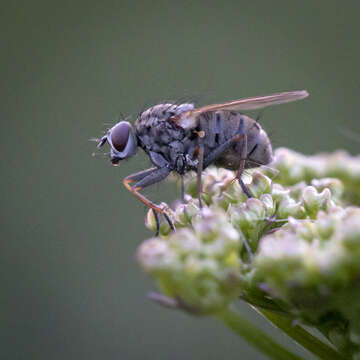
[70, 285]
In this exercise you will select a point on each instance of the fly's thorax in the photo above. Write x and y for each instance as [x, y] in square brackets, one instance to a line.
[161, 112]
[155, 130]
[164, 141]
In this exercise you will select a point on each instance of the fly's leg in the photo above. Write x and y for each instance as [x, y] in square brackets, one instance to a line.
[220, 149]
[242, 167]
[244, 188]
[171, 224]
[182, 189]
[141, 174]
[143, 179]
[205, 162]
[225, 146]
[200, 166]
[146, 178]
[199, 171]
[157, 222]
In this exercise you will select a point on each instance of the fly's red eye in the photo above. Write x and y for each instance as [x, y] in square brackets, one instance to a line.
[120, 135]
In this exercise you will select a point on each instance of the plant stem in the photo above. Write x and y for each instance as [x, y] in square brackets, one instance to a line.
[301, 336]
[254, 336]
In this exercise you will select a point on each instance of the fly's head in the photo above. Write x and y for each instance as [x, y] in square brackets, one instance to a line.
[122, 140]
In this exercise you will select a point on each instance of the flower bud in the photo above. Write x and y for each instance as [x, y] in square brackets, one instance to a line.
[164, 227]
[335, 186]
[260, 184]
[289, 207]
[314, 202]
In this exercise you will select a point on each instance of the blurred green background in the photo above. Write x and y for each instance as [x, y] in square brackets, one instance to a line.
[70, 286]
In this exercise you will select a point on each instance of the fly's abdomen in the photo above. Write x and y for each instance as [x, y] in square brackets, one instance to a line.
[222, 126]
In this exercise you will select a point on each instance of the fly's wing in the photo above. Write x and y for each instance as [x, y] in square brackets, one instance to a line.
[189, 119]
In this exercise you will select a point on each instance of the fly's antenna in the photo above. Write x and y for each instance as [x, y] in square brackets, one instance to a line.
[100, 142]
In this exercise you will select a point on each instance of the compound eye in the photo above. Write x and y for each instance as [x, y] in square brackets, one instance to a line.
[120, 135]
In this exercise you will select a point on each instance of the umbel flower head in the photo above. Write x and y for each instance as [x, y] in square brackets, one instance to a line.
[199, 264]
[293, 248]
[294, 168]
[313, 268]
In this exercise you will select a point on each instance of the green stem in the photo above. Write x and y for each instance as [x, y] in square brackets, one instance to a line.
[254, 336]
[301, 336]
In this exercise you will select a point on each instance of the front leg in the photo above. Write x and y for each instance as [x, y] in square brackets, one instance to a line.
[146, 178]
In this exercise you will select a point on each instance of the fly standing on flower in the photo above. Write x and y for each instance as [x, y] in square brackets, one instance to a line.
[181, 138]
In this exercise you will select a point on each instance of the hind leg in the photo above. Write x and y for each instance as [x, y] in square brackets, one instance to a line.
[242, 167]
[240, 135]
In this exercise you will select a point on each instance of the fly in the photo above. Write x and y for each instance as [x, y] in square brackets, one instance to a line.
[182, 138]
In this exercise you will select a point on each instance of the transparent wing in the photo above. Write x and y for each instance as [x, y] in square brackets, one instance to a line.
[188, 119]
